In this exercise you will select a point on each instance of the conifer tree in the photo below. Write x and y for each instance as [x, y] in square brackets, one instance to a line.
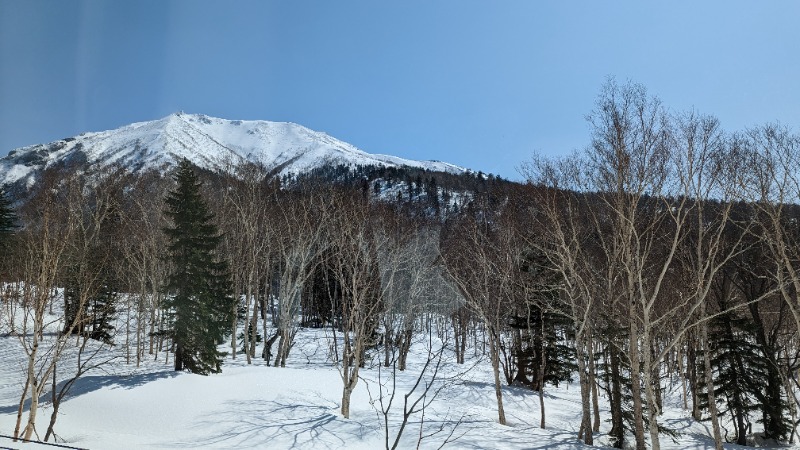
[199, 289]
[8, 220]
[102, 310]
[739, 371]
[8, 224]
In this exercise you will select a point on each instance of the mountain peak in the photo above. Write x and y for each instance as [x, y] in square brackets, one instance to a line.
[208, 142]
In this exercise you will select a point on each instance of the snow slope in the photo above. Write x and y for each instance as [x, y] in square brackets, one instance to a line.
[254, 406]
[208, 142]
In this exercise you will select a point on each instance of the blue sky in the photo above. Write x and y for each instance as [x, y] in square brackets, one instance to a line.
[479, 84]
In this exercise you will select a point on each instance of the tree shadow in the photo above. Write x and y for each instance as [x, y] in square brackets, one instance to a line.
[560, 440]
[91, 383]
[277, 424]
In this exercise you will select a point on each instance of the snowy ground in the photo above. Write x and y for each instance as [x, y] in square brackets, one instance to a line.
[254, 406]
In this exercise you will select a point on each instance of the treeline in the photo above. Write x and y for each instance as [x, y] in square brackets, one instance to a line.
[676, 254]
[664, 254]
[306, 252]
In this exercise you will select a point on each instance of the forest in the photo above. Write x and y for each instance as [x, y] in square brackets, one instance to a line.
[665, 251]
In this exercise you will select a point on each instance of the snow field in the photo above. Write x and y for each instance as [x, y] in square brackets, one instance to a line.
[120, 406]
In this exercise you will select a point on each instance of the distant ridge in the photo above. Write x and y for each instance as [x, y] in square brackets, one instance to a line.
[208, 142]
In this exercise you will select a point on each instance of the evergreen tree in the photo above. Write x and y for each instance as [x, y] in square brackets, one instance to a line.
[102, 310]
[739, 371]
[8, 224]
[94, 318]
[8, 220]
[543, 329]
[199, 301]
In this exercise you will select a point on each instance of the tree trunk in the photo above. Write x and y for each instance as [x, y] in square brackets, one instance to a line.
[709, 380]
[266, 353]
[284, 345]
[541, 407]
[152, 337]
[636, 386]
[586, 421]
[652, 407]
[617, 425]
[139, 330]
[31, 425]
[248, 297]
[178, 357]
[57, 397]
[786, 373]
[350, 366]
[694, 383]
[253, 328]
[235, 320]
[456, 340]
[128, 331]
[682, 373]
[32, 382]
[649, 389]
[542, 368]
[494, 349]
[387, 344]
[593, 383]
[21, 407]
[346, 402]
[741, 427]
[405, 347]
[460, 337]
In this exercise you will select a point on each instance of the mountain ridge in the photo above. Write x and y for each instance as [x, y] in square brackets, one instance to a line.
[208, 142]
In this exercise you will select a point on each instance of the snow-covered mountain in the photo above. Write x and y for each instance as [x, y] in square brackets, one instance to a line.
[208, 142]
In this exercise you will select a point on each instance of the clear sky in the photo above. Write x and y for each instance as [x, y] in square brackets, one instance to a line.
[479, 84]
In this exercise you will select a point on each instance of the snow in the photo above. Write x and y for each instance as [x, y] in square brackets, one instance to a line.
[208, 142]
[255, 406]
[121, 405]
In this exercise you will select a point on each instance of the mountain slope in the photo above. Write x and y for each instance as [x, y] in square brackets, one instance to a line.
[208, 142]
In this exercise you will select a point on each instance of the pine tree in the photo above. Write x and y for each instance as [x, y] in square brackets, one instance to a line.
[199, 289]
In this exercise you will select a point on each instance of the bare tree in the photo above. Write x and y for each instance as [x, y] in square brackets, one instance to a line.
[142, 253]
[482, 253]
[643, 192]
[67, 219]
[300, 240]
[91, 269]
[356, 271]
[770, 182]
[412, 282]
[427, 387]
[245, 199]
[562, 216]
[45, 241]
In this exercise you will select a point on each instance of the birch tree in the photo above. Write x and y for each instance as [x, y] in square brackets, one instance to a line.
[355, 268]
[301, 239]
[67, 222]
[246, 196]
[482, 255]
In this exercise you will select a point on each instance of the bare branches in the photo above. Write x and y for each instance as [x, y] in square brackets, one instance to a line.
[424, 391]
